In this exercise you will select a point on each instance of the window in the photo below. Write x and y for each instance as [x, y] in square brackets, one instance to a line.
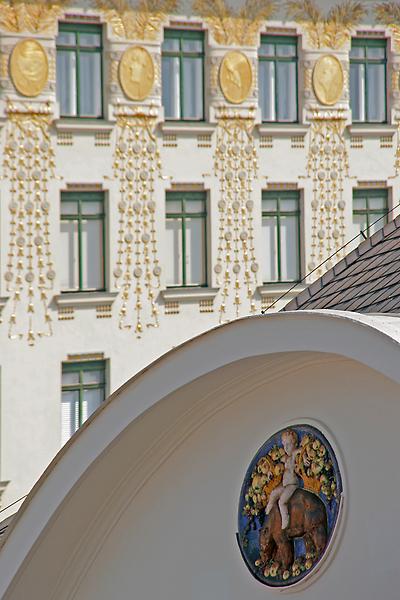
[281, 236]
[368, 206]
[79, 70]
[278, 78]
[368, 80]
[82, 241]
[183, 75]
[83, 390]
[186, 239]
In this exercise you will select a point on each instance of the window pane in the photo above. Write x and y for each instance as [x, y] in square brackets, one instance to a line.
[66, 83]
[285, 50]
[286, 91]
[376, 96]
[170, 45]
[92, 255]
[194, 206]
[359, 203]
[90, 84]
[91, 400]
[357, 52]
[267, 90]
[376, 52]
[92, 207]
[288, 204]
[69, 263]
[170, 87]
[93, 376]
[195, 252]
[71, 378]
[269, 249]
[376, 221]
[377, 203]
[267, 49]
[69, 414]
[174, 206]
[359, 224]
[357, 92]
[289, 249]
[66, 38]
[269, 204]
[192, 46]
[90, 40]
[193, 88]
[174, 252]
[69, 208]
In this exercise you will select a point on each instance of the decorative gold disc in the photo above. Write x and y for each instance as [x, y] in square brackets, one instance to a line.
[328, 79]
[29, 67]
[235, 77]
[136, 73]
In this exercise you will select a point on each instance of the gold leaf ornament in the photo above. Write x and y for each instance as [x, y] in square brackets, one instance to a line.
[34, 17]
[235, 27]
[29, 67]
[388, 13]
[235, 76]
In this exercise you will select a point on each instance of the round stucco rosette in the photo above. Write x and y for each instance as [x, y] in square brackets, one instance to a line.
[235, 77]
[136, 73]
[289, 506]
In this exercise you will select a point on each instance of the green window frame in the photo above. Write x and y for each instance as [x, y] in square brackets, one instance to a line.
[85, 266]
[368, 206]
[187, 255]
[278, 78]
[368, 80]
[183, 75]
[83, 389]
[80, 70]
[281, 236]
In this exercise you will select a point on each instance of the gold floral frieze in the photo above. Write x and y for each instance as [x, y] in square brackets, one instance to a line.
[141, 20]
[235, 77]
[136, 73]
[328, 80]
[39, 16]
[235, 27]
[29, 67]
[332, 30]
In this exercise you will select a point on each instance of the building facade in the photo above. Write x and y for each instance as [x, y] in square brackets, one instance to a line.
[168, 168]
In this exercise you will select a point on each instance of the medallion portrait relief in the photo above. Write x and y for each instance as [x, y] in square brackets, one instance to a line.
[29, 68]
[136, 73]
[328, 80]
[235, 77]
[289, 506]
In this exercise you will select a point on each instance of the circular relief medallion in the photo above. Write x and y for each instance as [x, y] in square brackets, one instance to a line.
[289, 506]
[136, 73]
[328, 79]
[235, 77]
[29, 67]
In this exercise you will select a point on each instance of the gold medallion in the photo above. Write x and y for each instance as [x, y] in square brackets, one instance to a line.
[235, 77]
[29, 67]
[328, 79]
[136, 73]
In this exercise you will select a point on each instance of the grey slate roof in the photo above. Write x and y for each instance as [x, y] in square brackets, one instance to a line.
[367, 280]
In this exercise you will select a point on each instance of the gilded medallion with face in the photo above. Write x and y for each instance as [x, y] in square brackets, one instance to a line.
[328, 79]
[29, 67]
[235, 77]
[136, 73]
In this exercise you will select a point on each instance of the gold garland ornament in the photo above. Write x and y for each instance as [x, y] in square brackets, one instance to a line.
[328, 80]
[34, 17]
[235, 77]
[388, 13]
[136, 73]
[29, 67]
[137, 271]
[236, 167]
[28, 165]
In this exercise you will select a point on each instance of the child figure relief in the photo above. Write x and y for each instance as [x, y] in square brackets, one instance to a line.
[290, 480]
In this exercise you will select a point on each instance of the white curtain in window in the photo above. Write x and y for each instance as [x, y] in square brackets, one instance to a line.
[69, 263]
[193, 90]
[286, 91]
[269, 249]
[91, 401]
[66, 83]
[195, 252]
[289, 249]
[69, 414]
[267, 90]
[173, 255]
[376, 109]
[90, 84]
[357, 92]
[92, 255]
[170, 87]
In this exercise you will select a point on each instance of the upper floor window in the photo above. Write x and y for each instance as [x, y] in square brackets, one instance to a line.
[183, 75]
[281, 236]
[82, 263]
[82, 392]
[368, 80]
[369, 206]
[79, 70]
[278, 78]
[186, 225]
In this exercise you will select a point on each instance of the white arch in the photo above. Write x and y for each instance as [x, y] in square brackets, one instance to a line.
[373, 341]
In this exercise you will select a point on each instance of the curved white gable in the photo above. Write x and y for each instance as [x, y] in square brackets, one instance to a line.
[142, 502]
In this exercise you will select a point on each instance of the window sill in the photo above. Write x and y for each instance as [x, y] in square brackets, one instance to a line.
[272, 291]
[378, 130]
[284, 130]
[189, 294]
[85, 299]
[172, 127]
[78, 125]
